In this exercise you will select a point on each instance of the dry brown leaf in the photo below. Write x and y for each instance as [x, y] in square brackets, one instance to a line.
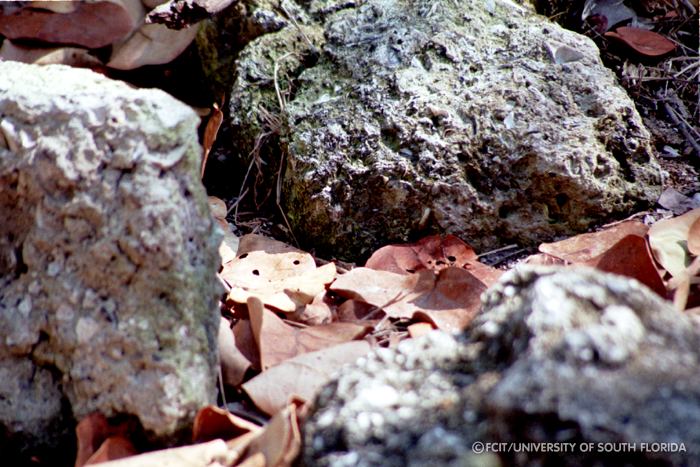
[302, 376]
[152, 44]
[210, 132]
[449, 299]
[212, 422]
[352, 311]
[486, 274]
[245, 342]
[543, 259]
[233, 363]
[210, 454]
[283, 281]
[317, 312]
[255, 242]
[648, 43]
[88, 24]
[113, 448]
[280, 443]
[585, 247]
[631, 257]
[278, 341]
[92, 431]
[218, 209]
[434, 252]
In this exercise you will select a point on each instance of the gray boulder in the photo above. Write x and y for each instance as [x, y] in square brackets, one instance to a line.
[556, 356]
[108, 255]
[479, 119]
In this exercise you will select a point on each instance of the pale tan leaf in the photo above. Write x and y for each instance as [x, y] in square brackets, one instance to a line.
[152, 44]
[669, 238]
[280, 443]
[284, 281]
[303, 375]
[317, 312]
[211, 453]
[233, 363]
[694, 237]
[255, 242]
[71, 56]
[229, 244]
[420, 329]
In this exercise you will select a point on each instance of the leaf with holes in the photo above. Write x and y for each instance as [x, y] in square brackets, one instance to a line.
[434, 253]
[283, 281]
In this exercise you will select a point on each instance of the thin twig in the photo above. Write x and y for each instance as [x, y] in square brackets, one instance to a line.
[498, 250]
[681, 123]
[296, 25]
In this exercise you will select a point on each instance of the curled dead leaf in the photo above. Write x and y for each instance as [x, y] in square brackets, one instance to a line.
[234, 364]
[584, 247]
[212, 422]
[694, 237]
[152, 44]
[631, 257]
[449, 299]
[278, 341]
[668, 239]
[648, 43]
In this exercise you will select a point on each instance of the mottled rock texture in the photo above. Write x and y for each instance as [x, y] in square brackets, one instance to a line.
[557, 355]
[108, 257]
[474, 118]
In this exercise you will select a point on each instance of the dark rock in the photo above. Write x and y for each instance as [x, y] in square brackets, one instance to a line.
[557, 356]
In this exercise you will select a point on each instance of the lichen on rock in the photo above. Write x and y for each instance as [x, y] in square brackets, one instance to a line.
[478, 119]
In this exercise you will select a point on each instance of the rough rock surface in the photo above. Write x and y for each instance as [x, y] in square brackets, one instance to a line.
[557, 355]
[474, 118]
[107, 256]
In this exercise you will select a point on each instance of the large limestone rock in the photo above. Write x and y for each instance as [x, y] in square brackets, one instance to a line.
[474, 118]
[108, 257]
[557, 355]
